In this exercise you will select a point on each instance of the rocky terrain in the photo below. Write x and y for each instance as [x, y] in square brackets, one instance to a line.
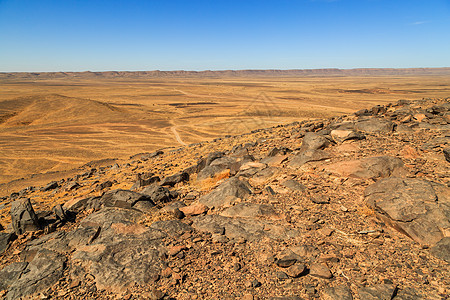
[352, 207]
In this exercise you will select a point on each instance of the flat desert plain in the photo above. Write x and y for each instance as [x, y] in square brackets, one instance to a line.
[52, 125]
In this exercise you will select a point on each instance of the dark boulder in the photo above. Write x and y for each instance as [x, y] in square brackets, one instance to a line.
[23, 217]
[415, 207]
[175, 178]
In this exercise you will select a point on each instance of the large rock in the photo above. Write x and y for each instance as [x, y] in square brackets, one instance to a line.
[442, 249]
[5, 239]
[340, 292]
[43, 271]
[308, 156]
[226, 194]
[371, 167]
[238, 228]
[125, 253]
[375, 125]
[157, 194]
[175, 178]
[251, 210]
[314, 141]
[418, 208]
[23, 217]
[378, 292]
[120, 198]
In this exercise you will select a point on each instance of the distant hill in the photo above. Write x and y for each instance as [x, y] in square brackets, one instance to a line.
[230, 73]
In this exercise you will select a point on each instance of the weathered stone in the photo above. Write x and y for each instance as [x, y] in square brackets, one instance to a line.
[313, 141]
[308, 156]
[446, 152]
[346, 135]
[340, 292]
[371, 167]
[175, 178]
[11, 273]
[375, 125]
[50, 186]
[23, 217]
[239, 228]
[158, 194]
[173, 228]
[5, 239]
[296, 270]
[119, 198]
[412, 206]
[442, 249]
[320, 199]
[226, 194]
[43, 271]
[194, 209]
[294, 185]
[58, 210]
[320, 271]
[378, 292]
[251, 210]
[210, 172]
[78, 204]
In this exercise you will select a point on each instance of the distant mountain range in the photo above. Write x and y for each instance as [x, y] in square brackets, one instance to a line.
[229, 73]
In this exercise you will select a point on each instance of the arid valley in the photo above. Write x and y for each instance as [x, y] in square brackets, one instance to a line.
[52, 123]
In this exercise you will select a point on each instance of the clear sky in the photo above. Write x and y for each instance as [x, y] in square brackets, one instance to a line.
[69, 35]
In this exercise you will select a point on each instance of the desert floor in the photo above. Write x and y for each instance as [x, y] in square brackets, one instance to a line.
[48, 127]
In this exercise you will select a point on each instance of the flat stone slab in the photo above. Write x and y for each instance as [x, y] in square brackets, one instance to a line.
[371, 167]
[415, 207]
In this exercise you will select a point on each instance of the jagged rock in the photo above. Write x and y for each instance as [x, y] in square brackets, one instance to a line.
[375, 125]
[122, 256]
[11, 273]
[119, 198]
[157, 194]
[5, 239]
[346, 135]
[173, 228]
[174, 179]
[238, 228]
[446, 152]
[51, 186]
[412, 206]
[104, 185]
[294, 185]
[442, 249]
[314, 141]
[226, 194]
[320, 271]
[340, 292]
[204, 162]
[296, 270]
[58, 210]
[23, 217]
[378, 292]
[43, 271]
[79, 204]
[251, 210]
[308, 156]
[210, 172]
[408, 294]
[371, 167]
[171, 207]
[144, 180]
[194, 209]
[278, 151]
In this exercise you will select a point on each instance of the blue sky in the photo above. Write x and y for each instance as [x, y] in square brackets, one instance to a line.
[69, 35]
